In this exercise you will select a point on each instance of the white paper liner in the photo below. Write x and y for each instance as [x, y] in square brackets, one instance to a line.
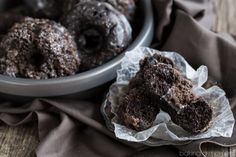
[164, 131]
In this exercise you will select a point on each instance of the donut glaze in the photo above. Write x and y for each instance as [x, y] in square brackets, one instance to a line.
[126, 7]
[100, 31]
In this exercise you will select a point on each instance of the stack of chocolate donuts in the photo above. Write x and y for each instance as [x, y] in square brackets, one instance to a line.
[42, 39]
[159, 85]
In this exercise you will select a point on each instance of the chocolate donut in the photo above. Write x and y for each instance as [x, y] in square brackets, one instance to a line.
[126, 7]
[100, 31]
[38, 49]
[159, 85]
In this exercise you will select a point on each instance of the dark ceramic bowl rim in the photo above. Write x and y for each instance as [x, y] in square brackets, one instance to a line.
[31, 87]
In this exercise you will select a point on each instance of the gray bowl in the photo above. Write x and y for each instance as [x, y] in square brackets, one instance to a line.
[82, 84]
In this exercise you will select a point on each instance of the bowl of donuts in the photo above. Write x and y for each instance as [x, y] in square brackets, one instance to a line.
[51, 48]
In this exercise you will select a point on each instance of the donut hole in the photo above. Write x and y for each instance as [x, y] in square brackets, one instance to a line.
[96, 13]
[91, 41]
[37, 59]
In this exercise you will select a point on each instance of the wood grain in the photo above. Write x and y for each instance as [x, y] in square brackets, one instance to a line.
[233, 152]
[18, 141]
[226, 16]
[22, 141]
[212, 150]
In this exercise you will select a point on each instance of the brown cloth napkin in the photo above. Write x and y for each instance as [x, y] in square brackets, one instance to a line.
[69, 128]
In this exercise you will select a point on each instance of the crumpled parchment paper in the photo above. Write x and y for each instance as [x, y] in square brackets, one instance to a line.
[164, 131]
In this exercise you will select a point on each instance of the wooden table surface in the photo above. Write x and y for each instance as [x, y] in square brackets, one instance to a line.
[22, 141]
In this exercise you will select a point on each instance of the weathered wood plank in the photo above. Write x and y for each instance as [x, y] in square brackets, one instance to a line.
[226, 16]
[233, 152]
[18, 141]
[211, 150]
